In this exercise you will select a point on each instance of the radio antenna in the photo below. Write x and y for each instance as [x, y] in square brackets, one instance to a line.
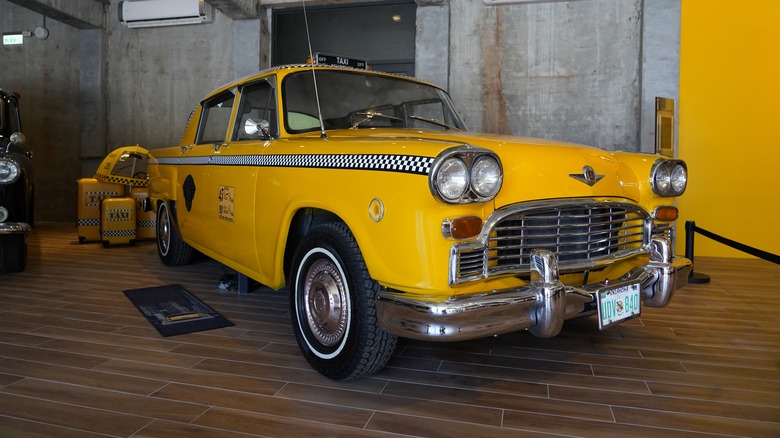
[313, 72]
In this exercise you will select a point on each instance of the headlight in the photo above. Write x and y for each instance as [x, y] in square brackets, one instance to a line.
[679, 178]
[466, 174]
[486, 176]
[452, 180]
[9, 171]
[669, 177]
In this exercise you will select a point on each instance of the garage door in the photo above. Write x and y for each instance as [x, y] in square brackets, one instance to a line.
[380, 33]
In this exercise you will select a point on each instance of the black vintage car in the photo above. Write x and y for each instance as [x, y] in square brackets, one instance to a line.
[16, 187]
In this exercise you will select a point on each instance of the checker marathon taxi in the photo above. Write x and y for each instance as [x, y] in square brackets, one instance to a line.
[366, 196]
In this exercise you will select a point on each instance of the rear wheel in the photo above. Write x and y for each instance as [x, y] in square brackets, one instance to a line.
[170, 246]
[13, 252]
[333, 306]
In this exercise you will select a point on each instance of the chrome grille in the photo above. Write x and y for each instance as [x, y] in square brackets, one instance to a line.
[582, 234]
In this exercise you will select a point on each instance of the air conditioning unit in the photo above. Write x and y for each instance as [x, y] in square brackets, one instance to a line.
[152, 13]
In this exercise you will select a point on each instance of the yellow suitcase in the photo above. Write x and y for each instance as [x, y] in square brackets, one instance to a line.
[117, 221]
[91, 192]
[146, 226]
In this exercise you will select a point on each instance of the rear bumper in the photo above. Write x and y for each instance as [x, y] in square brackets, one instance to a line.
[541, 306]
[14, 228]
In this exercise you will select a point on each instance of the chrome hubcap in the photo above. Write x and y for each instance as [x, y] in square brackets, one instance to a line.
[325, 300]
[164, 231]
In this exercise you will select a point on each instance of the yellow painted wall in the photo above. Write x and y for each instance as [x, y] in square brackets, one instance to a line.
[729, 123]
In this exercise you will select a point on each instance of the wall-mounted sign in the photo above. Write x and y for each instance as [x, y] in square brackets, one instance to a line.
[10, 39]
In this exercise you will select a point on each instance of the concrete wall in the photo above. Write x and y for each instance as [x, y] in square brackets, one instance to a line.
[46, 74]
[157, 75]
[86, 91]
[568, 70]
[660, 63]
[563, 70]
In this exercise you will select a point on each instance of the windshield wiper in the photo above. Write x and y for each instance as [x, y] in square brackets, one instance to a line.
[432, 122]
[369, 115]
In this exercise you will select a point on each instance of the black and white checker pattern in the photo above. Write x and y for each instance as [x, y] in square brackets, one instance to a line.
[389, 163]
[118, 233]
[88, 222]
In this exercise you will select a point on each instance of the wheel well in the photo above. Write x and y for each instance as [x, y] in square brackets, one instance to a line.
[301, 223]
[171, 205]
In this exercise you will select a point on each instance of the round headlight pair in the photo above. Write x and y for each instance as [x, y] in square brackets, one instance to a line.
[669, 177]
[466, 175]
[9, 171]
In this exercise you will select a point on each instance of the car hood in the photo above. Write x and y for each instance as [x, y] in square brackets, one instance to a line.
[534, 169]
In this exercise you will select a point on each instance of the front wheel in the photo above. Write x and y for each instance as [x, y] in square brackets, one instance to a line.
[333, 306]
[170, 246]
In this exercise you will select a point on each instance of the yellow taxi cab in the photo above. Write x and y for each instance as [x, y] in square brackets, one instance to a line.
[365, 195]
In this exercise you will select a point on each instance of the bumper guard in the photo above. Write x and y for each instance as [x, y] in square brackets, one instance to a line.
[541, 306]
[14, 228]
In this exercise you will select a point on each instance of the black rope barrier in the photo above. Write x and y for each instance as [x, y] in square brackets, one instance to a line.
[691, 229]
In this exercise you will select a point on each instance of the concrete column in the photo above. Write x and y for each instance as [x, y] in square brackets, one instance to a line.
[432, 42]
[92, 95]
[660, 63]
[246, 47]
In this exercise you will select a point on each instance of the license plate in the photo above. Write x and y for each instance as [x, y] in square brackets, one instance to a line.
[618, 304]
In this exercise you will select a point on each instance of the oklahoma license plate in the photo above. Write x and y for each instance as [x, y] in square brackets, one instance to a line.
[617, 304]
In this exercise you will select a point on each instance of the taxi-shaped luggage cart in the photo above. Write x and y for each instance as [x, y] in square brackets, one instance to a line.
[110, 203]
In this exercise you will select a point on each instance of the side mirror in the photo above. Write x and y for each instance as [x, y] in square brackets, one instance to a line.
[16, 144]
[252, 127]
[17, 138]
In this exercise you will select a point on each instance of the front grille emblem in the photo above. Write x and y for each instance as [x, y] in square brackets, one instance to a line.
[588, 176]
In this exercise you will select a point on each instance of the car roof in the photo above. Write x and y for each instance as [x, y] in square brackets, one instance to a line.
[291, 68]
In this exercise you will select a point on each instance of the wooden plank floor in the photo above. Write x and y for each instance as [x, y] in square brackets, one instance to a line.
[78, 360]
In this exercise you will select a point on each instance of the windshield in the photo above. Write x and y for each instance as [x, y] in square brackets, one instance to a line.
[355, 100]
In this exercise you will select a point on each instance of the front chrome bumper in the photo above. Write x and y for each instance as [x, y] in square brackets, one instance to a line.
[541, 306]
[14, 228]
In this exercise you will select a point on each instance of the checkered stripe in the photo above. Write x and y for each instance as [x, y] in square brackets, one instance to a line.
[135, 182]
[390, 163]
[88, 222]
[145, 224]
[119, 233]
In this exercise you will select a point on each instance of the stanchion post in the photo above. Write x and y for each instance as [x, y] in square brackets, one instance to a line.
[693, 277]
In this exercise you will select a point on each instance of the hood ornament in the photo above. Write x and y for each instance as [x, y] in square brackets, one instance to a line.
[588, 176]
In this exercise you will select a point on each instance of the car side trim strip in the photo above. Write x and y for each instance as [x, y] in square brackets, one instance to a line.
[390, 163]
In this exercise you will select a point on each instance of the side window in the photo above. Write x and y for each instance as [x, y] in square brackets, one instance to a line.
[257, 116]
[215, 119]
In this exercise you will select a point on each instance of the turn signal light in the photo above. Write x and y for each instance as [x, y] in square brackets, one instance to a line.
[666, 214]
[462, 227]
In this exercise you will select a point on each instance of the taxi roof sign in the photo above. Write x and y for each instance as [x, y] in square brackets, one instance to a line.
[341, 61]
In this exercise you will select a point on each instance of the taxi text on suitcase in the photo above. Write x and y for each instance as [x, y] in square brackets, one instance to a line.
[117, 221]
